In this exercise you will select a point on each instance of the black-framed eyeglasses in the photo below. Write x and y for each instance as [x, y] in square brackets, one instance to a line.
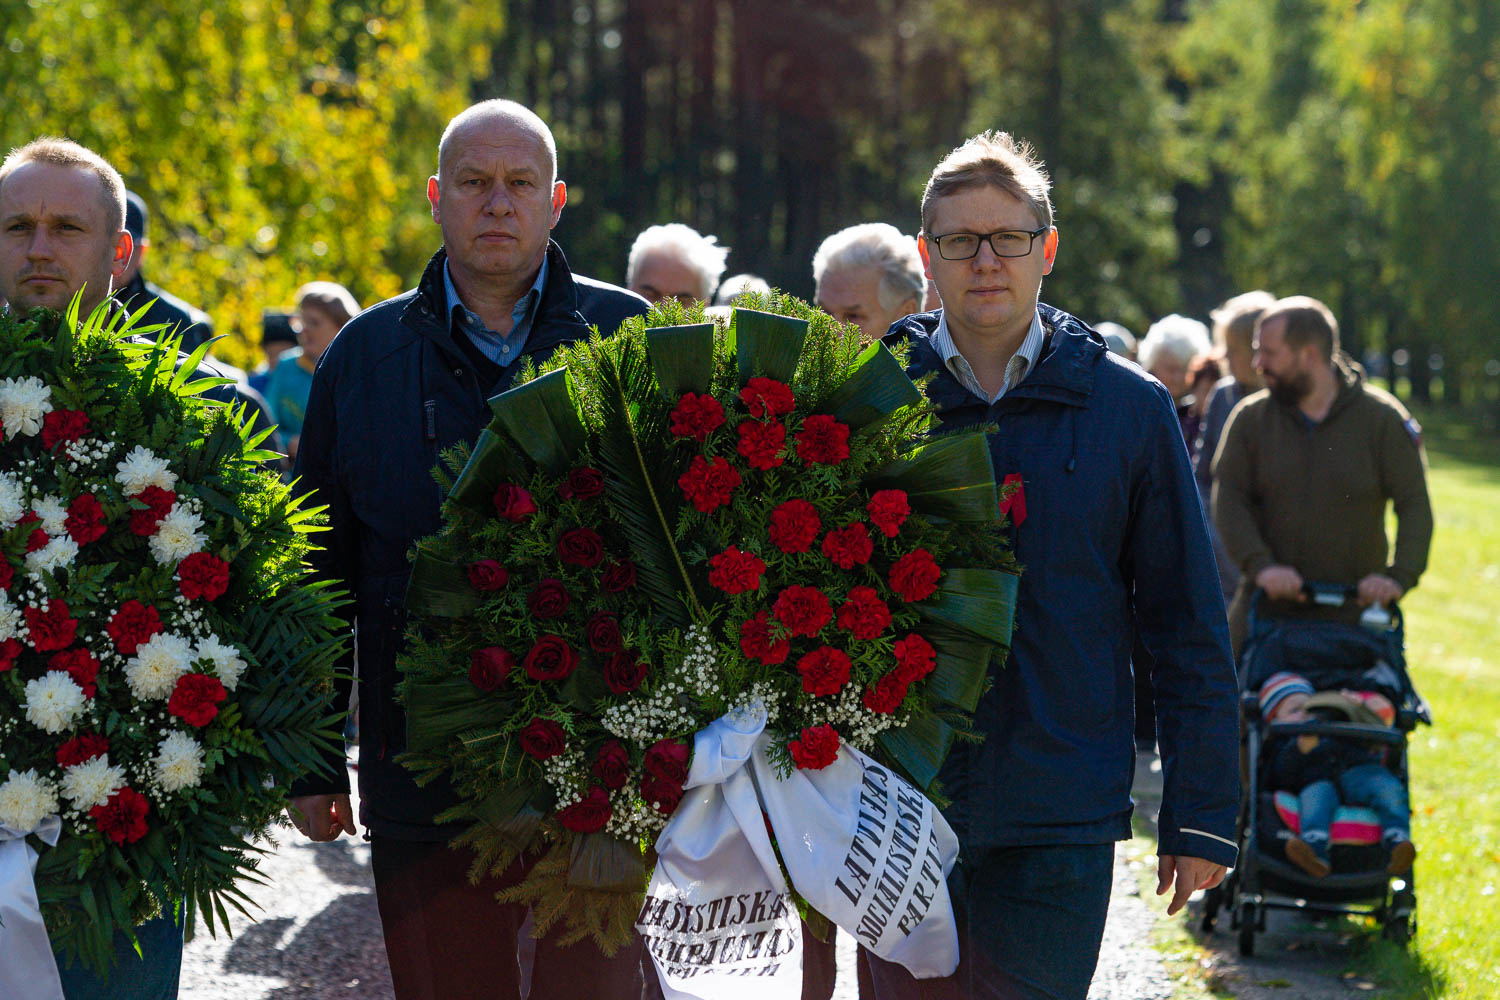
[1005, 243]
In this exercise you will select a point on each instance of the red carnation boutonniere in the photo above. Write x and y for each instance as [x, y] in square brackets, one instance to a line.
[1014, 503]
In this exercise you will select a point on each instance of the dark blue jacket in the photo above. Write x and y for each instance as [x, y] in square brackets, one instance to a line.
[392, 391]
[177, 316]
[1113, 542]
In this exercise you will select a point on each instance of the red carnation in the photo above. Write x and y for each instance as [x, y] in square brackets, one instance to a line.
[849, 546]
[761, 444]
[803, 610]
[756, 644]
[158, 505]
[915, 658]
[487, 575]
[589, 814]
[618, 577]
[823, 439]
[52, 629]
[709, 486]
[661, 794]
[696, 416]
[543, 738]
[602, 631]
[582, 484]
[612, 766]
[886, 695]
[551, 659]
[10, 650]
[203, 575]
[85, 522]
[889, 510]
[135, 623]
[864, 615]
[7, 573]
[915, 575]
[195, 699]
[514, 503]
[489, 667]
[668, 760]
[818, 747]
[63, 427]
[549, 599]
[766, 397]
[79, 664]
[82, 748]
[38, 538]
[735, 572]
[624, 672]
[123, 818]
[824, 671]
[580, 547]
[794, 526]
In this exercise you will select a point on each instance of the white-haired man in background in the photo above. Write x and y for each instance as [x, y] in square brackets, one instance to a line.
[675, 262]
[870, 275]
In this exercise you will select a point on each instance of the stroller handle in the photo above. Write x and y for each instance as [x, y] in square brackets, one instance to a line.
[1378, 618]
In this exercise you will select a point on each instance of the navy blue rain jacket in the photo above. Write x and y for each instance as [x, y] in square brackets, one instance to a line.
[392, 391]
[1113, 541]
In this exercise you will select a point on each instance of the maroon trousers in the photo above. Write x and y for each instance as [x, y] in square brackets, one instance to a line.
[449, 940]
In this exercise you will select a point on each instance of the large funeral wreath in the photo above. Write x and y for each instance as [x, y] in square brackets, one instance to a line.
[164, 663]
[664, 525]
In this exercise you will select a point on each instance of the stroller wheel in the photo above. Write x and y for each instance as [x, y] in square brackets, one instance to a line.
[1247, 929]
[1398, 930]
[1401, 919]
[1212, 900]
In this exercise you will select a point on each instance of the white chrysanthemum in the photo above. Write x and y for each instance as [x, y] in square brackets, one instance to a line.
[153, 671]
[177, 537]
[91, 783]
[10, 618]
[141, 469]
[178, 763]
[56, 554]
[53, 513]
[26, 798]
[228, 665]
[53, 701]
[23, 404]
[12, 501]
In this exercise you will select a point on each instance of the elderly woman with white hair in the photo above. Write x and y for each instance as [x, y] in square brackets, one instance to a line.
[1167, 351]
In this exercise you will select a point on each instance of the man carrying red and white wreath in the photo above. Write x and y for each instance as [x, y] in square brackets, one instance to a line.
[403, 381]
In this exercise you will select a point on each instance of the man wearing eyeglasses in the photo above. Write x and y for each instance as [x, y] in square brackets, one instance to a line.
[1106, 520]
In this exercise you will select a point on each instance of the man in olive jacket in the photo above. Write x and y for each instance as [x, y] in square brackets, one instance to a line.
[403, 381]
[1306, 468]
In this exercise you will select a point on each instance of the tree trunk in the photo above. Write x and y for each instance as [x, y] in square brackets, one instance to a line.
[752, 195]
[633, 64]
[702, 134]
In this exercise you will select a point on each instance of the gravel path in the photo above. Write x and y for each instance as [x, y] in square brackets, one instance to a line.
[318, 937]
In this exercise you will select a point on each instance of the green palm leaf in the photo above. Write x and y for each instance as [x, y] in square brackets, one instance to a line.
[683, 357]
[641, 473]
[767, 344]
[951, 476]
[875, 389]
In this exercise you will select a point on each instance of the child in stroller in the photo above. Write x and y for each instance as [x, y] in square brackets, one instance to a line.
[1328, 772]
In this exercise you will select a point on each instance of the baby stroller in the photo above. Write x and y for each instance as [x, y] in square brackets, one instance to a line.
[1331, 655]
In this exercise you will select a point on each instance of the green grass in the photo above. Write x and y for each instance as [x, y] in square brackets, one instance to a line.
[1455, 765]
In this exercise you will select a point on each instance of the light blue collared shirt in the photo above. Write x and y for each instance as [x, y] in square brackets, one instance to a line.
[1021, 363]
[501, 350]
